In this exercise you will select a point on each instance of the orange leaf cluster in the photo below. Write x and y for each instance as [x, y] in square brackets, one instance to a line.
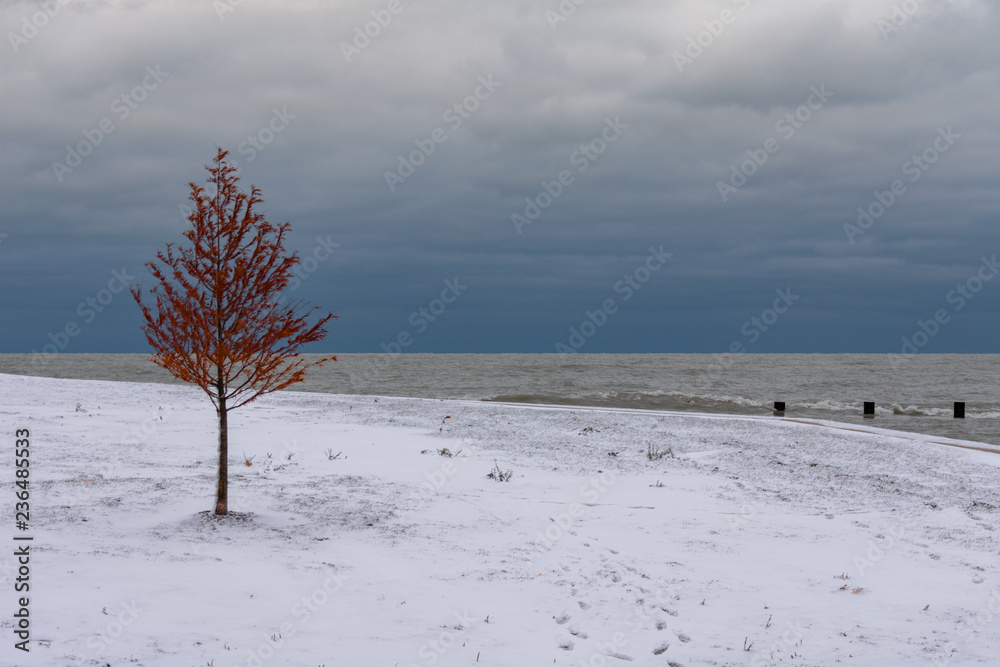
[216, 321]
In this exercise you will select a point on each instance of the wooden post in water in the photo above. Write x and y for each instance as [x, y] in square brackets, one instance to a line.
[959, 409]
[869, 409]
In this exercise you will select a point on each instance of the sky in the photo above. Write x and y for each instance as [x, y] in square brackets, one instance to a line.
[509, 176]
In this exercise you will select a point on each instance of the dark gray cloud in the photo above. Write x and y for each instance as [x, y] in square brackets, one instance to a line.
[839, 97]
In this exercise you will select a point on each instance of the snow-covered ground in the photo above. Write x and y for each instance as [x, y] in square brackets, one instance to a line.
[741, 542]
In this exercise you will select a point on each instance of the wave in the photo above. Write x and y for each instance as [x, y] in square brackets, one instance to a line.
[676, 401]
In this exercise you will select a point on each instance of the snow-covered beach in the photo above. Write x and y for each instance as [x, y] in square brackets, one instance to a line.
[368, 533]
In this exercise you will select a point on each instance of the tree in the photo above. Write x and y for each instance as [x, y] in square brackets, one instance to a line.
[217, 320]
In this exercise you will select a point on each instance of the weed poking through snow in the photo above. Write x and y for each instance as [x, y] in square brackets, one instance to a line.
[499, 475]
[654, 453]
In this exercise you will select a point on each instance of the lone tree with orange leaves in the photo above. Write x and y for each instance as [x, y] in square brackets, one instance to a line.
[217, 321]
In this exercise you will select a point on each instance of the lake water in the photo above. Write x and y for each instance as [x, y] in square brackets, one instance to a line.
[911, 392]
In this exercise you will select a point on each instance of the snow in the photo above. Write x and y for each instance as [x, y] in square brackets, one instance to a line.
[805, 543]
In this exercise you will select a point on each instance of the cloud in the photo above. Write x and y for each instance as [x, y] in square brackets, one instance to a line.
[350, 119]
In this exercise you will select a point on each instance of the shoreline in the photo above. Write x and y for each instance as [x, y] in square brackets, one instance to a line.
[824, 422]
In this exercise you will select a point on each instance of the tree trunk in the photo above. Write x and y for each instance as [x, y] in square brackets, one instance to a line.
[222, 497]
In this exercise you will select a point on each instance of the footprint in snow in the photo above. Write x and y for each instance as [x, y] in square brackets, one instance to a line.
[621, 656]
[563, 618]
